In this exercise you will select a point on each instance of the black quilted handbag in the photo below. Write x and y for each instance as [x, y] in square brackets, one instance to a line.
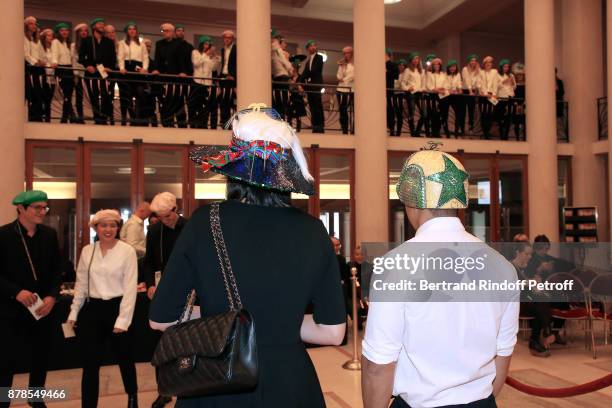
[214, 354]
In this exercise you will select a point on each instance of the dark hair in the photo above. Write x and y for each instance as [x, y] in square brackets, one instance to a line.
[541, 242]
[201, 46]
[456, 69]
[127, 39]
[60, 39]
[500, 69]
[516, 248]
[241, 191]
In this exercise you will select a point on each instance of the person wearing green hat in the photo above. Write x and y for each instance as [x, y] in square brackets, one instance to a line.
[391, 74]
[313, 74]
[437, 91]
[81, 31]
[184, 50]
[470, 75]
[132, 57]
[62, 59]
[98, 55]
[505, 92]
[410, 344]
[455, 99]
[203, 66]
[34, 71]
[30, 280]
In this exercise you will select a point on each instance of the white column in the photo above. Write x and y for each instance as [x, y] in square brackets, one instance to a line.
[582, 41]
[541, 118]
[12, 106]
[609, 73]
[371, 177]
[253, 59]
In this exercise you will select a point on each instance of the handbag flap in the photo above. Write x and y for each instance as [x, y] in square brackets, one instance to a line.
[204, 337]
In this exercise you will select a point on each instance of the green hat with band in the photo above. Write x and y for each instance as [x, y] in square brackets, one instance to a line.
[309, 43]
[433, 179]
[472, 57]
[60, 26]
[130, 24]
[29, 197]
[204, 39]
[451, 62]
[504, 62]
[430, 57]
[95, 21]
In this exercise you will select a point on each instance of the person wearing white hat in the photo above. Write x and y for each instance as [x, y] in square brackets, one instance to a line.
[437, 87]
[103, 306]
[34, 73]
[489, 84]
[81, 31]
[427, 352]
[345, 76]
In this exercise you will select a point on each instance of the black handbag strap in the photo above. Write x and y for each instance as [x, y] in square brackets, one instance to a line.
[231, 288]
[229, 280]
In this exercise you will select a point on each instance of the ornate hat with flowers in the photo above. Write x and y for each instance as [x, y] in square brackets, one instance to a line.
[433, 179]
[264, 152]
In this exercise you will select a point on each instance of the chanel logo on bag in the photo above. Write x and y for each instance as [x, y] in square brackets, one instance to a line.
[186, 364]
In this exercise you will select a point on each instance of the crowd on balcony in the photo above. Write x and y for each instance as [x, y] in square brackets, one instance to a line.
[192, 86]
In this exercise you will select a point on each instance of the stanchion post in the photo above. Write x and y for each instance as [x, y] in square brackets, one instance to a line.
[354, 363]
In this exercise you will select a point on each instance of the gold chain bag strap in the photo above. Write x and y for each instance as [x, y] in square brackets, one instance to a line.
[213, 354]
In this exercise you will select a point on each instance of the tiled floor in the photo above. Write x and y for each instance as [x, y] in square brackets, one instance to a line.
[567, 366]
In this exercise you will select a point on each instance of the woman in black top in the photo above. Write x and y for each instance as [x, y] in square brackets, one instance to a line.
[282, 259]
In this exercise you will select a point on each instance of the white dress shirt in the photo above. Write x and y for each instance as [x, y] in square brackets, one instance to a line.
[132, 233]
[345, 76]
[445, 351]
[61, 53]
[506, 87]
[203, 67]
[411, 81]
[226, 55]
[471, 79]
[436, 81]
[489, 82]
[110, 276]
[132, 52]
[32, 51]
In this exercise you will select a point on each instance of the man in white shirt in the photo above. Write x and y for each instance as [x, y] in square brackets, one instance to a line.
[434, 354]
[228, 72]
[132, 231]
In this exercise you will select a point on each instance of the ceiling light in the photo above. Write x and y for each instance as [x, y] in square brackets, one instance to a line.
[392, 1]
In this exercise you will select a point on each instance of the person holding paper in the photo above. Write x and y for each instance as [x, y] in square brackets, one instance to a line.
[436, 86]
[30, 274]
[103, 306]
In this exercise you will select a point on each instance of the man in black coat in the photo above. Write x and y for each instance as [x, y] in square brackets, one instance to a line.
[30, 272]
[169, 60]
[97, 54]
[227, 85]
[391, 74]
[185, 49]
[313, 73]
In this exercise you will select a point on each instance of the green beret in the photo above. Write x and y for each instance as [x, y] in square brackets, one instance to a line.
[430, 57]
[451, 62]
[388, 51]
[504, 62]
[273, 32]
[96, 21]
[179, 26]
[128, 25]
[204, 39]
[309, 43]
[413, 55]
[59, 26]
[402, 62]
[29, 197]
[471, 57]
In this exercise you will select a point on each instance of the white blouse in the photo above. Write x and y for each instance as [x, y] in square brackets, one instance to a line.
[61, 53]
[110, 276]
[132, 52]
[436, 81]
[345, 77]
[411, 81]
[471, 79]
[507, 85]
[489, 82]
[203, 67]
[280, 63]
[454, 82]
[32, 51]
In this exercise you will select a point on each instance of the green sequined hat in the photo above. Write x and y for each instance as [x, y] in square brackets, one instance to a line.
[433, 179]
[413, 55]
[430, 57]
[451, 62]
[29, 197]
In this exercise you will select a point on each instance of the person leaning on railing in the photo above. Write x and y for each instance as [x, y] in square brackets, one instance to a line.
[345, 76]
[61, 57]
[398, 97]
[282, 71]
[489, 83]
[34, 72]
[505, 91]
[313, 74]
[111, 33]
[518, 107]
[203, 65]
[470, 75]
[436, 87]
[81, 31]
[455, 99]
[132, 56]
[185, 49]
[411, 81]
[391, 73]
[48, 82]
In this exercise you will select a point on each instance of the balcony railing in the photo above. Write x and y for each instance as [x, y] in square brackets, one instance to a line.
[602, 117]
[177, 101]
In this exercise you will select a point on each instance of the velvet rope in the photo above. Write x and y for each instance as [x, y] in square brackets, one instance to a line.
[585, 388]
